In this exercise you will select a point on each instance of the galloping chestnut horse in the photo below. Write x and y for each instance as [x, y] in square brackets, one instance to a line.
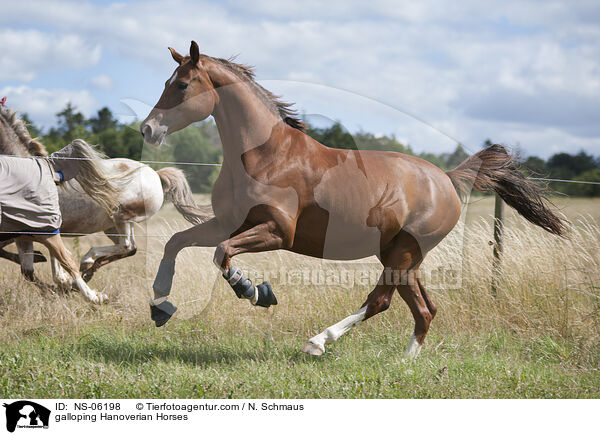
[280, 189]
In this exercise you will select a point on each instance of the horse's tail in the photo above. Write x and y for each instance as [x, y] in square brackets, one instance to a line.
[494, 169]
[92, 177]
[177, 189]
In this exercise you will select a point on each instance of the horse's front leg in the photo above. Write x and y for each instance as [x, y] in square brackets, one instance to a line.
[207, 234]
[267, 236]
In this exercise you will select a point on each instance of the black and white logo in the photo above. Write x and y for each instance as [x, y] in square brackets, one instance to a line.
[26, 414]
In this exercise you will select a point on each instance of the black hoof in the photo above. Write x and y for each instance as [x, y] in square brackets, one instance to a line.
[162, 312]
[266, 297]
[28, 275]
[87, 275]
[38, 257]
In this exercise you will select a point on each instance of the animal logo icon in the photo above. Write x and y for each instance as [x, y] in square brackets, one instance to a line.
[26, 414]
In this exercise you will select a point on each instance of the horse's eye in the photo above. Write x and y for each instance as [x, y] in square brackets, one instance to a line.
[182, 86]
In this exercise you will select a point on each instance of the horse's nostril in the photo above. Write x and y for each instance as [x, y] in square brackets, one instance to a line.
[146, 131]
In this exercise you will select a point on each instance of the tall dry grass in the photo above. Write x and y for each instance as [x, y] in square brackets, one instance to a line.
[549, 287]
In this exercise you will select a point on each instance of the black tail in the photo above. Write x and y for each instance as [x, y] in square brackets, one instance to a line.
[494, 169]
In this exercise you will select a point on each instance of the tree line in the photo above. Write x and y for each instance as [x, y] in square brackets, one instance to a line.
[200, 143]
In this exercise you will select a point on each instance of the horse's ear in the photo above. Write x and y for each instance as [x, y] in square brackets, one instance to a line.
[176, 56]
[194, 53]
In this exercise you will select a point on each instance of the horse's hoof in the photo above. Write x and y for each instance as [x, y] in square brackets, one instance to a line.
[99, 299]
[266, 297]
[313, 349]
[38, 257]
[162, 312]
[28, 275]
[87, 271]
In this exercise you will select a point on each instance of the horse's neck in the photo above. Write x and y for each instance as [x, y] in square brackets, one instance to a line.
[243, 119]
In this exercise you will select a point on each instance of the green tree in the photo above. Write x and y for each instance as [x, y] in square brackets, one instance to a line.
[536, 166]
[455, 158]
[103, 120]
[191, 145]
[567, 166]
[34, 131]
[334, 137]
[575, 189]
[71, 124]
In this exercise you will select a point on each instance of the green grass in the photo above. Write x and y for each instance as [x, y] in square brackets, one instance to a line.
[190, 360]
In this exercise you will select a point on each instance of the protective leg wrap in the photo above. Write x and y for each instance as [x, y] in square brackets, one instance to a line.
[162, 312]
[261, 295]
[164, 278]
[241, 285]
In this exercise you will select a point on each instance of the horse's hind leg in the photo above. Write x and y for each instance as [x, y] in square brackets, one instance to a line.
[124, 246]
[58, 250]
[412, 295]
[430, 305]
[401, 262]
[25, 249]
[377, 301]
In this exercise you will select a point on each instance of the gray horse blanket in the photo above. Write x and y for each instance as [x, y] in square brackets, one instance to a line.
[28, 196]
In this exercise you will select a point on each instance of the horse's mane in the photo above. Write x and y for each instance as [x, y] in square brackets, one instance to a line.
[19, 127]
[284, 109]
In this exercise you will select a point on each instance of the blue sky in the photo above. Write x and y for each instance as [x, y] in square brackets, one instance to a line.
[523, 73]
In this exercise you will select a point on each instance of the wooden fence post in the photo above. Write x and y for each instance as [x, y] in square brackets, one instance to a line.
[498, 247]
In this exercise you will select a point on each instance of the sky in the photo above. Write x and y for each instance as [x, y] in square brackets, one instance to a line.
[521, 73]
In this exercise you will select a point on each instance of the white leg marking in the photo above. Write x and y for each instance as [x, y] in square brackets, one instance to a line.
[158, 301]
[316, 345]
[104, 251]
[254, 299]
[413, 349]
[91, 295]
[60, 275]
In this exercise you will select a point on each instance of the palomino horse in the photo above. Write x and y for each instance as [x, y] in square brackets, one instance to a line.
[280, 189]
[142, 191]
[29, 206]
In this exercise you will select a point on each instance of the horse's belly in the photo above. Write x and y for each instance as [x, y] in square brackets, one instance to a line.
[81, 214]
[324, 235]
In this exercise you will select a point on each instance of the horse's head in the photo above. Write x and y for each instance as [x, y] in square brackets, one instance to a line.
[189, 96]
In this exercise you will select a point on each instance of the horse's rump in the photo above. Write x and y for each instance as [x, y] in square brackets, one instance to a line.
[28, 196]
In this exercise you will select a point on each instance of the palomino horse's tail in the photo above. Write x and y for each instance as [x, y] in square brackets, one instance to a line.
[177, 189]
[92, 177]
[494, 169]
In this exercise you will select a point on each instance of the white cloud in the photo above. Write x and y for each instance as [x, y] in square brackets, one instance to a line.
[473, 67]
[102, 82]
[26, 54]
[42, 105]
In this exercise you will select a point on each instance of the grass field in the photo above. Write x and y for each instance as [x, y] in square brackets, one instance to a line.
[539, 338]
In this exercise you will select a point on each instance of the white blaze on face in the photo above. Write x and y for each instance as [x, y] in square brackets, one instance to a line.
[173, 78]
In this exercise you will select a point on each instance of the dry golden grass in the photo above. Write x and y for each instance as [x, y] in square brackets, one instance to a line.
[546, 282]
[549, 290]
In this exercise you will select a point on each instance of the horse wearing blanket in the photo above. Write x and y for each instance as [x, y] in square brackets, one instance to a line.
[29, 206]
[142, 191]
